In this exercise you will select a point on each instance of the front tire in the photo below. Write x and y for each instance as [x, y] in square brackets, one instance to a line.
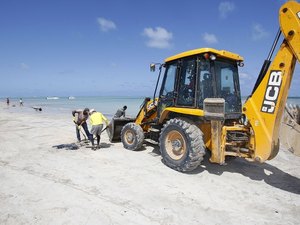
[132, 136]
[181, 145]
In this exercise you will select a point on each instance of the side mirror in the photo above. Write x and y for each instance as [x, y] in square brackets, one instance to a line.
[240, 64]
[152, 67]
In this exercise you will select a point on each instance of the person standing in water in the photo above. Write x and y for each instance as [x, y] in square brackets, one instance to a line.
[21, 102]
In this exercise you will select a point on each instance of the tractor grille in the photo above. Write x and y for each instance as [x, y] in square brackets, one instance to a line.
[237, 136]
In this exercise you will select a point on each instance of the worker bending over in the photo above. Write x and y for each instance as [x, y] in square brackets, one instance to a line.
[79, 118]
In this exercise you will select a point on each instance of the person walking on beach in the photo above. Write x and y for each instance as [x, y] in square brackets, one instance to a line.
[80, 117]
[120, 112]
[96, 119]
[7, 101]
[21, 102]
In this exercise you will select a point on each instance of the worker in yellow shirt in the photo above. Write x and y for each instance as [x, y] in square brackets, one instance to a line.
[96, 119]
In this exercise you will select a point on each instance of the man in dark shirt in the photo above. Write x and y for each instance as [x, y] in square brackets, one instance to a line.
[80, 117]
[120, 112]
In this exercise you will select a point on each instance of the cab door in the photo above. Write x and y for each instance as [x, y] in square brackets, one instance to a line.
[168, 95]
[187, 83]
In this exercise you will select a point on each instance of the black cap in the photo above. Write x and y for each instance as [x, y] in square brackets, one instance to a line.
[86, 111]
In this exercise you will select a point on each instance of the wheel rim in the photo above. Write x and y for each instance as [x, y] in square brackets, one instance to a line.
[175, 145]
[129, 137]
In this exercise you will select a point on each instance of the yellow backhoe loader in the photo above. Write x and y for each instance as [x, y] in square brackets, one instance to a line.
[199, 104]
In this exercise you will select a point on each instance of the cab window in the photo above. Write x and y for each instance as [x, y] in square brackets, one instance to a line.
[227, 82]
[169, 81]
[187, 80]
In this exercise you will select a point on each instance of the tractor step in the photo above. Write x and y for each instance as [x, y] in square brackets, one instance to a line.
[152, 129]
[151, 141]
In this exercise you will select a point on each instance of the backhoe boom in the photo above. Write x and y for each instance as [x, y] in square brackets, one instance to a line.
[265, 107]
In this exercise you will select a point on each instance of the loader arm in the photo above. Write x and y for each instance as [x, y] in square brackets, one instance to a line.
[265, 107]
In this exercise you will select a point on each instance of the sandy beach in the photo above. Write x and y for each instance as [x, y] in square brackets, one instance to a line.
[45, 185]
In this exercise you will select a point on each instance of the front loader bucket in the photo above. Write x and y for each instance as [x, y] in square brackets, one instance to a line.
[290, 129]
[115, 126]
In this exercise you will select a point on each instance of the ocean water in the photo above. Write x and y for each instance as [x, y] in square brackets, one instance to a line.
[107, 105]
[63, 105]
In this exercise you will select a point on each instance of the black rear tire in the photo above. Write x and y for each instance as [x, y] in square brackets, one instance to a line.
[181, 145]
[132, 136]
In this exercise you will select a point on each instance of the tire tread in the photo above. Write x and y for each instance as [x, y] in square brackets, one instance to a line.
[196, 150]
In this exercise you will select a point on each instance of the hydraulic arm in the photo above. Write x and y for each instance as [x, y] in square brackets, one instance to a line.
[264, 108]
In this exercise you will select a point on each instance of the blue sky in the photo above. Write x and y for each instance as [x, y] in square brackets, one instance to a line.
[96, 47]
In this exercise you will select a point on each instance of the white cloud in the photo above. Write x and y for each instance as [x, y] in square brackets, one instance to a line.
[24, 66]
[258, 32]
[158, 37]
[106, 25]
[69, 71]
[247, 82]
[245, 76]
[210, 38]
[225, 8]
[113, 64]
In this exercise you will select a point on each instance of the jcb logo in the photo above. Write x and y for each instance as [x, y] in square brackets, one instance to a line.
[272, 92]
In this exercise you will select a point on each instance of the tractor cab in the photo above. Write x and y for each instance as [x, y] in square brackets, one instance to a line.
[193, 76]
